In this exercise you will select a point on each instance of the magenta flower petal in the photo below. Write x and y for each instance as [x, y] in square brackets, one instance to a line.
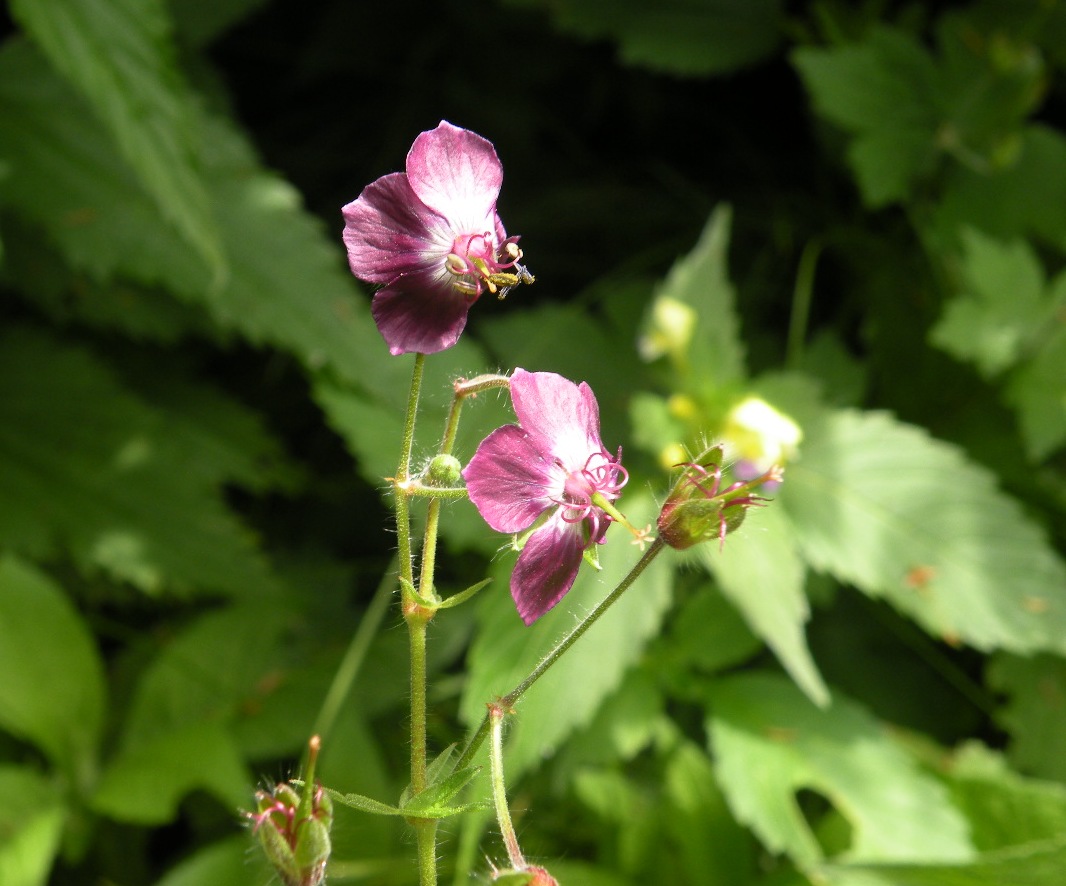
[432, 235]
[387, 232]
[456, 173]
[552, 465]
[564, 417]
[419, 321]
[546, 568]
[507, 480]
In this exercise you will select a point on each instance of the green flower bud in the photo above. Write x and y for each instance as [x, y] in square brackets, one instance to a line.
[698, 510]
[444, 471]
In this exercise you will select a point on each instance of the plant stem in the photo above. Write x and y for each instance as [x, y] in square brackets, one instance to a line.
[417, 619]
[802, 295]
[511, 698]
[499, 790]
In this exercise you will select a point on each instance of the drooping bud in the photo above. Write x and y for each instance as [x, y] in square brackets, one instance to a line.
[698, 509]
[530, 875]
[293, 828]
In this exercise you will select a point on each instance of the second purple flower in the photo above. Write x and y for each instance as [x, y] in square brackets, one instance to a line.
[550, 472]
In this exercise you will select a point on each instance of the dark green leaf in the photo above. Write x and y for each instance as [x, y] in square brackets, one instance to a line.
[52, 693]
[120, 55]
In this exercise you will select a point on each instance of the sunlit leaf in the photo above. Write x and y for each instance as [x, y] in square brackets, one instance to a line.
[286, 285]
[120, 55]
[1002, 305]
[224, 863]
[770, 742]
[881, 505]
[760, 572]
[31, 824]
[52, 693]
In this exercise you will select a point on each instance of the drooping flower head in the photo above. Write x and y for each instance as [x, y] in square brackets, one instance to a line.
[431, 238]
[552, 472]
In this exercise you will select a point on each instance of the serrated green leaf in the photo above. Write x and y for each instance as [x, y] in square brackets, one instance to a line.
[769, 742]
[885, 92]
[286, 285]
[881, 505]
[568, 695]
[687, 37]
[31, 825]
[208, 671]
[1001, 202]
[1004, 809]
[121, 485]
[1037, 390]
[760, 572]
[1002, 305]
[714, 354]
[1033, 712]
[52, 693]
[119, 54]
[715, 850]
[1039, 864]
[145, 784]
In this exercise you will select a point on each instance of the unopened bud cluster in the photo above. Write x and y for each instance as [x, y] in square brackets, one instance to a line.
[698, 509]
[295, 835]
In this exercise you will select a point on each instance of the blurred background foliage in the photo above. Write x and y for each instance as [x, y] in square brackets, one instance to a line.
[851, 214]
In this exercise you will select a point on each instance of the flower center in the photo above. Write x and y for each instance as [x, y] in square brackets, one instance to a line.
[476, 264]
[600, 474]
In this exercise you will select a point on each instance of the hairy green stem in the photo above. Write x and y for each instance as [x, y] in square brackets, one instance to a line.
[499, 790]
[510, 699]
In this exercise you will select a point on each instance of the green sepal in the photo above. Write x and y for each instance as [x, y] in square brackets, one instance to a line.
[433, 802]
[462, 596]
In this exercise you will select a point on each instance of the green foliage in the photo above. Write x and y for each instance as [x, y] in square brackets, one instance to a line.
[855, 213]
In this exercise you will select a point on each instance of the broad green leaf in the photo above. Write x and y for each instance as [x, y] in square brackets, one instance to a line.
[130, 490]
[770, 742]
[1004, 809]
[208, 671]
[885, 92]
[226, 863]
[199, 22]
[286, 285]
[31, 825]
[1040, 864]
[715, 850]
[145, 784]
[687, 37]
[120, 55]
[881, 505]
[52, 693]
[759, 571]
[569, 694]
[1001, 307]
[1037, 390]
[1033, 712]
[706, 348]
[1025, 198]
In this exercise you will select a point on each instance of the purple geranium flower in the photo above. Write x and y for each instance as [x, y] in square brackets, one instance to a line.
[550, 467]
[431, 238]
